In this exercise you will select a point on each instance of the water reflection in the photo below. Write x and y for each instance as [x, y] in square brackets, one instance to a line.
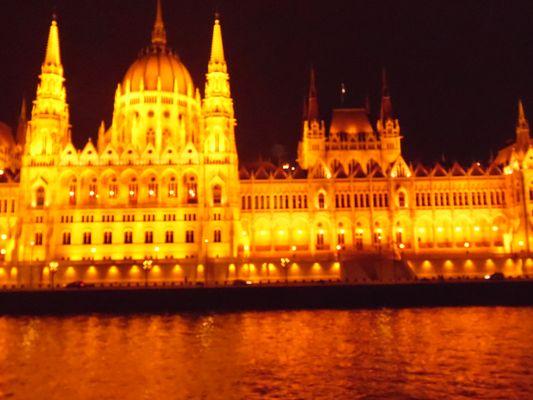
[422, 353]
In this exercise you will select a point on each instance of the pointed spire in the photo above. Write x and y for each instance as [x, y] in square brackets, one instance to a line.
[217, 47]
[53, 54]
[522, 121]
[386, 103]
[159, 34]
[522, 127]
[312, 98]
[22, 123]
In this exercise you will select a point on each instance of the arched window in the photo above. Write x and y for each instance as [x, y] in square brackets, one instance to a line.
[72, 192]
[401, 200]
[217, 194]
[133, 191]
[321, 201]
[192, 189]
[40, 196]
[150, 136]
[172, 187]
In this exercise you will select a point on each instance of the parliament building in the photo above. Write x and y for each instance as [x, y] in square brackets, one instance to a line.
[162, 190]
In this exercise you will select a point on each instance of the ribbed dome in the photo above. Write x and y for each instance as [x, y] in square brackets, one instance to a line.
[157, 63]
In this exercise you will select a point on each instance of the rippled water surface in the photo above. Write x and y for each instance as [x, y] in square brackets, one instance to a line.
[483, 353]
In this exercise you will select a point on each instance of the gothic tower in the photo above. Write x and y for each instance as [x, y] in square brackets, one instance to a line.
[388, 127]
[312, 147]
[220, 154]
[49, 128]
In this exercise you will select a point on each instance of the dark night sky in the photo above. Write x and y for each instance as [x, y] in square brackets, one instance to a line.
[456, 69]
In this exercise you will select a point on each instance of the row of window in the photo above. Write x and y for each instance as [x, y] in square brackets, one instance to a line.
[87, 237]
[362, 200]
[275, 202]
[459, 199]
[131, 218]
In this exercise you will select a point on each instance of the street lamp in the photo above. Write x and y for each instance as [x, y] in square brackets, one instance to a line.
[53, 266]
[285, 265]
[147, 267]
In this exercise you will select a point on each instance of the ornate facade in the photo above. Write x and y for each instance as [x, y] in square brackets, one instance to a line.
[163, 183]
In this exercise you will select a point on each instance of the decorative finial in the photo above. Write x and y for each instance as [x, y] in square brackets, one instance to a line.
[159, 34]
[53, 55]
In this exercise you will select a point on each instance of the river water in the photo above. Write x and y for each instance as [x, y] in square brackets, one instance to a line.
[433, 353]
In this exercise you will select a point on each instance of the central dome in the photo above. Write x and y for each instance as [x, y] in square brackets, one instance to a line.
[158, 63]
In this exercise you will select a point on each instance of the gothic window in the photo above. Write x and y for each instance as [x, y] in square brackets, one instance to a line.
[172, 187]
[113, 189]
[108, 237]
[217, 236]
[40, 196]
[189, 236]
[401, 200]
[66, 238]
[38, 239]
[217, 194]
[152, 188]
[87, 238]
[169, 237]
[192, 189]
[72, 192]
[133, 191]
[128, 237]
[321, 201]
[148, 237]
[150, 137]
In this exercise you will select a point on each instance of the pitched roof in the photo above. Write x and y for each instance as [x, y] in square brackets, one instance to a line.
[350, 120]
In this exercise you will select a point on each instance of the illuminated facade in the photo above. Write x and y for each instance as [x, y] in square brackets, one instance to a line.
[163, 183]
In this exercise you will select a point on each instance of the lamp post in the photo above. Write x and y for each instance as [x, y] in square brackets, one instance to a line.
[53, 266]
[285, 265]
[147, 267]
[32, 245]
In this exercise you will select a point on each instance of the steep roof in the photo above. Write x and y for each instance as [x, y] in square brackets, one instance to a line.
[350, 120]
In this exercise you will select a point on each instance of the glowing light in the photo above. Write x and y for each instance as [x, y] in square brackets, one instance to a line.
[338, 247]
[71, 193]
[495, 228]
[440, 229]
[299, 231]
[458, 229]
[192, 193]
[477, 228]
[93, 250]
[171, 192]
[286, 166]
[401, 246]
[467, 244]
[487, 276]
[111, 193]
[400, 230]
[1, 172]
[91, 193]
[3, 251]
[3, 236]
[132, 193]
[293, 248]
[156, 248]
[421, 230]
[341, 231]
[151, 192]
[521, 243]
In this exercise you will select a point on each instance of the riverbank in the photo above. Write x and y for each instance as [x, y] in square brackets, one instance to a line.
[256, 297]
